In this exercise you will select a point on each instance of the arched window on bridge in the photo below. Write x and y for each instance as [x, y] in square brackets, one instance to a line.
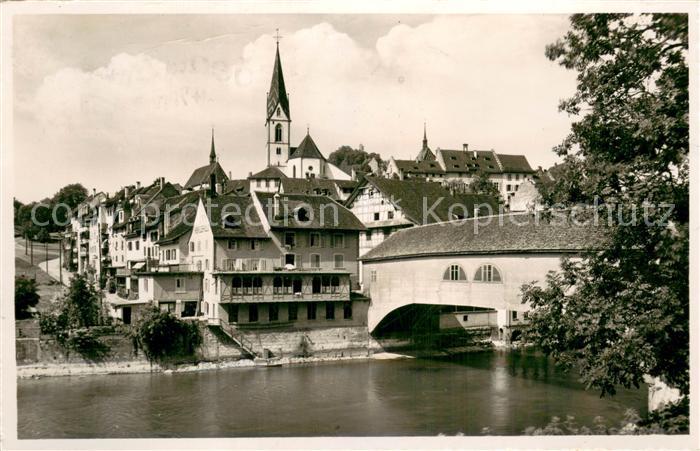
[453, 273]
[487, 273]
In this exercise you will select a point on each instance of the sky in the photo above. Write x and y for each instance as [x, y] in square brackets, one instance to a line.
[108, 100]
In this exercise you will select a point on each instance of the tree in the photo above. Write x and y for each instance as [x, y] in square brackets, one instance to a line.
[163, 336]
[25, 296]
[83, 303]
[481, 184]
[622, 312]
[356, 158]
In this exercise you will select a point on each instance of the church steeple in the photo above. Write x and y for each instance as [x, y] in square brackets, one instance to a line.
[425, 137]
[425, 153]
[278, 119]
[212, 153]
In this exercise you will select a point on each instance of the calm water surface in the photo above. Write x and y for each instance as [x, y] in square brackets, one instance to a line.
[505, 391]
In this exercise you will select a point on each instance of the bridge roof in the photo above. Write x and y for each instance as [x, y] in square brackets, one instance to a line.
[505, 234]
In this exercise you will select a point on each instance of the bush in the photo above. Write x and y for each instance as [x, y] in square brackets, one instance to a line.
[164, 337]
[25, 297]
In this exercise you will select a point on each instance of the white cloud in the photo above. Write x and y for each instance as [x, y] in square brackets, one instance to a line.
[140, 116]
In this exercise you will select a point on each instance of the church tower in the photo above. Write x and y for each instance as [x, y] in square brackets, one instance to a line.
[278, 119]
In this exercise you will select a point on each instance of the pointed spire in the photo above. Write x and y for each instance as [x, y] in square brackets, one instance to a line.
[212, 154]
[278, 92]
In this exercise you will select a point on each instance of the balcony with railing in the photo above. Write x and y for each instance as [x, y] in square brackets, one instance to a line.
[284, 288]
[248, 264]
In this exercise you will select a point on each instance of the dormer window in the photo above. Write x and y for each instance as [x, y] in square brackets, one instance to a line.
[230, 222]
[302, 214]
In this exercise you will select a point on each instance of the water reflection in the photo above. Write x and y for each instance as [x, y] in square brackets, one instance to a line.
[505, 392]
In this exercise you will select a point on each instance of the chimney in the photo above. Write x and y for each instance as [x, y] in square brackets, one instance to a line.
[138, 185]
[126, 192]
[161, 181]
[94, 191]
[250, 174]
[465, 147]
[276, 205]
[230, 176]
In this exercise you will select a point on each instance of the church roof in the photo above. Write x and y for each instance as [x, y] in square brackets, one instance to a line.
[425, 154]
[278, 92]
[307, 149]
[201, 175]
[270, 172]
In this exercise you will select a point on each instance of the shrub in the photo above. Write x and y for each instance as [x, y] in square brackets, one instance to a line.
[25, 296]
[164, 337]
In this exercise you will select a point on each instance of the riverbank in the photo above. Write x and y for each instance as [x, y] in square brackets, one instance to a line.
[143, 366]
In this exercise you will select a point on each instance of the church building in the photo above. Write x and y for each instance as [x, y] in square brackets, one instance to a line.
[304, 161]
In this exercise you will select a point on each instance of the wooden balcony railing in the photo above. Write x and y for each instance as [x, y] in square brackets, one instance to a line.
[248, 264]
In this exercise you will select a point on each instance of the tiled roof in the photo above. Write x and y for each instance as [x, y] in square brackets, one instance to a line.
[278, 92]
[419, 167]
[514, 163]
[410, 196]
[517, 233]
[270, 172]
[425, 154]
[325, 187]
[234, 209]
[240, 187]
[201, 175]
[307, 149]
[321, 207]
[183, 210]
[470, 161]
[488, 205]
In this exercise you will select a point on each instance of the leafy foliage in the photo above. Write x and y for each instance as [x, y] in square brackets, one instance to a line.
[356, 158]
[49, 217]
[482, 185]
[672, 419]
[163, 336]
[622, 312]
[25, 296]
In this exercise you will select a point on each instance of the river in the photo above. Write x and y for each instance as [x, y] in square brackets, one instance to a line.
[504, 391]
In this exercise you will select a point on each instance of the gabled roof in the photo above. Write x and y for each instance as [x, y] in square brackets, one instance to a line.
[410, 196]
[240, 187]
[321, 212]
[278, 92]
[201, 175]
[518, 233]
[270, 172]
[419, 167]
[307, 149]
[470, 161]
[182, 211]
[240, 214]
[425, 154]
[515, 163]
[316, 186]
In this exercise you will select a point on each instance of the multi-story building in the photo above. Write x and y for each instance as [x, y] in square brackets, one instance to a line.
[507, 172]
[387, 205]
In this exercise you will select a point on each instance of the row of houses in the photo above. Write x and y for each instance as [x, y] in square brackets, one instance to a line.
[282, 247]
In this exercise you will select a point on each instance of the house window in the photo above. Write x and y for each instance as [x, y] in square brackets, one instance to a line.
[369, 235]
[273, 312]
[258, 183]
[253, 313]
[289, 259]
[335, 284]
[508, 187]
[189, 309]
[339, 261]
[390, 214]
[311, 310]
[192, 246]
[179, 285]
[297, 285]
[289, 239]
[167, 254]
[278, 133]
[287, 285]
[199, 246]
[145, 284]
[254, 245]
[330, 310]
[167, 307]
[454, 272]
[277, 285]
[316, 285]
[292, 310]
[314, 239]
[174, 254]
[347, 310]
[154, 236]
[206, 264]
[509, 176]
[267, 183]
[373, 275]
[315, 260]
[338, 240]
[233, 313]
[487, 273]
[376, 216]
[232, 244]
[514, 315]
[279, 151]
[137, 245]
[129, 245]
[517, 177]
